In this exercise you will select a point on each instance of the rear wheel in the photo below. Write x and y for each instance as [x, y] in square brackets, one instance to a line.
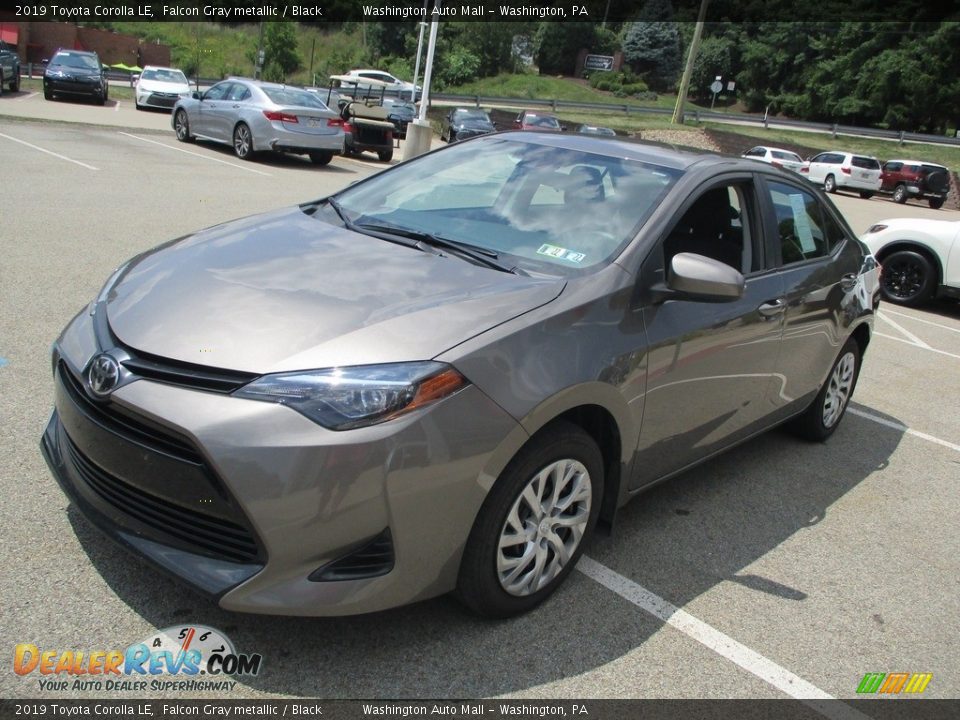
[242, 142]
[385, 155]
[830, 184]
[936, 203]
[181, 125]
[908, 277]
[15, 82]
[321, 158]
[900, 194]
[821, 419]
[534, 524]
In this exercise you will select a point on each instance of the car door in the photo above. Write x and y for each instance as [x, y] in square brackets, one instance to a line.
[710, 365]
[820, 166]
[209, 112]
[819, 261]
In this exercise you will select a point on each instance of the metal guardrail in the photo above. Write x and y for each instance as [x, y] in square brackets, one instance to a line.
[700, 115]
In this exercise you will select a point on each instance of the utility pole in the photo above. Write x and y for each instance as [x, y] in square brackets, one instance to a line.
[688, 70]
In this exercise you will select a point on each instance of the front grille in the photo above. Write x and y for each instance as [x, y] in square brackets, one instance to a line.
[212, 536]
[164, 99]
[372, 560]
[196, 377]
[133, 429]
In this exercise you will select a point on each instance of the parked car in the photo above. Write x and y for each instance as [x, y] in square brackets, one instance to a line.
[9, 67]
[255, 116]
[920, 258]
[905, 179]
[534, 120]
[778, 157]
[160, 87]
[463, 123]
[844, 171]
[76, 73]
[596, 130]
[359, 80]
[441, 377]
[401, 113]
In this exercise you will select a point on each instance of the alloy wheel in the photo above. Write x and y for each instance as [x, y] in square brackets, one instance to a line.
[242, 141]
[544, 527]
[839, 388]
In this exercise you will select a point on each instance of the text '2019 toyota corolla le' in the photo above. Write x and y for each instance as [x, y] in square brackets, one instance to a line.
[440, 378]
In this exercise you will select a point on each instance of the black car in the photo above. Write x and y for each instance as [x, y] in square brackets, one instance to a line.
[401, 113]
[76, 73]
[9, 67]
[464, 123]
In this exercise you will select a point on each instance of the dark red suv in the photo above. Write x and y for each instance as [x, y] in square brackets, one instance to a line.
[915, 179]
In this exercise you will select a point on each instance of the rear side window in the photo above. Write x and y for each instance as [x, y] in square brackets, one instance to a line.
[781, 155]
[865, 163]
[755, 152]
[806, 232]
[893, 166]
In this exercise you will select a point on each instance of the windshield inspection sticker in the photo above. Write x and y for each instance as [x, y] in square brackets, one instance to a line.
[802, 224]
[561, 253]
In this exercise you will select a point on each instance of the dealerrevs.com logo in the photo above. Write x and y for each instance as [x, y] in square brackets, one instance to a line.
[183, 658]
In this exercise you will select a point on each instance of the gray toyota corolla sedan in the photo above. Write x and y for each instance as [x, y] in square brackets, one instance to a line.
[441, 378]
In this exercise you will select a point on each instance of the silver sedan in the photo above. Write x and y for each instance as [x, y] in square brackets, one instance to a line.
[255, 116]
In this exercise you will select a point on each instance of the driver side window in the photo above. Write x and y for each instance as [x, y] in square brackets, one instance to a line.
[217, 92]
[716, 226]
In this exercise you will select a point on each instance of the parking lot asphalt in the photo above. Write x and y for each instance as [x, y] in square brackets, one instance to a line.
[781, 568]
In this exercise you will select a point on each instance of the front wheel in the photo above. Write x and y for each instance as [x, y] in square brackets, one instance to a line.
[908, 278]
[15, 83]
[534, 524]
[181, 125]
[243, 142]
[866, 194]
[830, 184]
[900, 194]
[385, 155]
[821, 419]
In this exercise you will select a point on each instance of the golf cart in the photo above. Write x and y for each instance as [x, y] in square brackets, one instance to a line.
[365, 120]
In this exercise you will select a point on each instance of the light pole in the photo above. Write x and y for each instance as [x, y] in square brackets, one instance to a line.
[416, 68]
[688, 70]
[419, 131]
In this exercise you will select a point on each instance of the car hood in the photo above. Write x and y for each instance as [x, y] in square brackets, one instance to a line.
[472, 125]
[162, 86]
[285, 291]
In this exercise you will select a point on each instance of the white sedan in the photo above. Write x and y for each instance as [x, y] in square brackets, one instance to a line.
[160, 87]
[920, 258]
[777, 157]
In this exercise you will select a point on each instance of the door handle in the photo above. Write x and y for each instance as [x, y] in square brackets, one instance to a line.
[848, 281]
[772, 308]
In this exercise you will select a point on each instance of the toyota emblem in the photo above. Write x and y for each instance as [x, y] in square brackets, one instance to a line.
[104, 374]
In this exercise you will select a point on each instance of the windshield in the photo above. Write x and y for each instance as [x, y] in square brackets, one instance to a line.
[461, 115]
[544, 121]
[292, 96]
[539, 207]
[169, 76]
[74, 60]
[784, 155]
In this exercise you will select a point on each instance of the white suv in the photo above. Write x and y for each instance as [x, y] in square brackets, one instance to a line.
[844, 171]
[393, 85]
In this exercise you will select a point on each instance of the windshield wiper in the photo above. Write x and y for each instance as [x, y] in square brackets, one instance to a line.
[479, 255]
[387, 233]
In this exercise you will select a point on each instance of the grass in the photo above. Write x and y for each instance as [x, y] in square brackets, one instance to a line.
[117, 92]
[880, 149]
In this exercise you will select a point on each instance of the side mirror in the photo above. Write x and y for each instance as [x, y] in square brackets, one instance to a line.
[703, 279]
[196, 95]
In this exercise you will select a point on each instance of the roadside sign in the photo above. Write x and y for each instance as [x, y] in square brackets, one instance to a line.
[598, 62]
[716, 87]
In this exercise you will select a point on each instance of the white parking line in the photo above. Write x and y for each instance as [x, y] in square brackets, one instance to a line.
[903, 428]
[887, 311]
[916, 341]
[722, 644]
[26, 97]
[116, 107]
[204, 157]
[922, 347]
[49, 152]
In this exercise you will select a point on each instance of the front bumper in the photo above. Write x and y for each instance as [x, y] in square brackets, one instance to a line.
[72, 87]
[305, 496]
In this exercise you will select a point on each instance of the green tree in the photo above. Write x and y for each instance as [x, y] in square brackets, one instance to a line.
[556, 44]
[281, 57]
[651, 45]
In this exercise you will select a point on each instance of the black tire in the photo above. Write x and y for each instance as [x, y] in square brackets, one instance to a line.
[936, 203]
[830, 184]
[137, 105]
[479, 585]
[866, 194]
[908, 278]
[47, 95]
[322, 157]
[181, 126]
[243, 142]
[385, 155]
[821, 419]
[900, 194]
[15, 83]
[100, 99]
[1, 83]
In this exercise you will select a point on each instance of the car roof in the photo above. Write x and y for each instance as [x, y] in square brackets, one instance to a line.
[71, 51]
[160, 67]
[915, 162]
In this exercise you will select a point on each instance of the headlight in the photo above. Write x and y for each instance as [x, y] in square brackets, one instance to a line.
[351, 397]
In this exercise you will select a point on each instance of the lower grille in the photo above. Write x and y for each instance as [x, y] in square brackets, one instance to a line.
[212, 536]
